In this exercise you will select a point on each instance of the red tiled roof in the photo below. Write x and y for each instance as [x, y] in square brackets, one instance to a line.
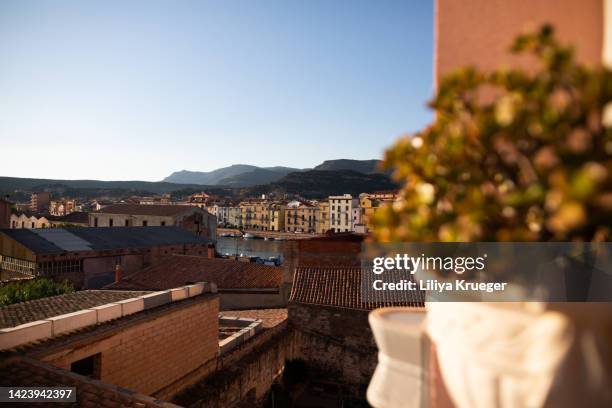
[270, 317]
[178, 270]
[146, 209]
[342, 287]
[40, 309]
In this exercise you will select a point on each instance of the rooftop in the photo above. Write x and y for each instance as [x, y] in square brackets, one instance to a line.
[270, 317]
[40, 309]
[58, 240]
[177, 270]
[163, 210]
[341, 287]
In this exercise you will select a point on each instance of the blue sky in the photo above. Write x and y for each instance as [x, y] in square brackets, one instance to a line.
[134, 90]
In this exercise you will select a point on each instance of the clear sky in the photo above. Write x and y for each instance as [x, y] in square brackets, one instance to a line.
[134, 90]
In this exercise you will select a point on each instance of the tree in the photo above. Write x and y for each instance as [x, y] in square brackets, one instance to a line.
[24, 290]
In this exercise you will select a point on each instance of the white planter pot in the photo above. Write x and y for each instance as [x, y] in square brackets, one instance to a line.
[397, 380]
[524, 354]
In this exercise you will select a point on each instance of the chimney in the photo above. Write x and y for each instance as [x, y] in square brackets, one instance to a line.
[118, 273]
[211, 251]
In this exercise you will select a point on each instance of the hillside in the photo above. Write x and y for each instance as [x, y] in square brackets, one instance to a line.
[19, 188]
[322, 183]
[254, 177]
[208, 177]
[361, 166]
[245, 175]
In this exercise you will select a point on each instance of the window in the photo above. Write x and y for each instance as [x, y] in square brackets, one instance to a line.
[95, 221]
[127, 223]
[33, 225]
[110, 222]
[163, 223]
[88, 366]
[144, 223]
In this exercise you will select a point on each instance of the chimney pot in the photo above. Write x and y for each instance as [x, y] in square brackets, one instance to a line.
[211, 251]
[118, 273]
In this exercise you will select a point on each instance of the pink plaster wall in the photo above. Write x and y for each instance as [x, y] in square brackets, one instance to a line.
[479, 32]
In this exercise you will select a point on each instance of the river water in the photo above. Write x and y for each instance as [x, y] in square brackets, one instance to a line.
[250, 247]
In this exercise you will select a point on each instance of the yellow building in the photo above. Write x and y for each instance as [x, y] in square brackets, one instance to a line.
[254, 214]
[370, 203]
[300, 216]
[322, 224]
[276, 213]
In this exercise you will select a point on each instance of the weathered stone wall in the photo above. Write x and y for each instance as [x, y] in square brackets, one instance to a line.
[245, 374]
[335, 341]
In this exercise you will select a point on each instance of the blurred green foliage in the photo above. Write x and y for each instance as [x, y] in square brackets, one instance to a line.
[512, 155]
[24, 290]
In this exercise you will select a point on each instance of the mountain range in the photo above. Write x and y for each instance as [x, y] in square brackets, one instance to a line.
[244, 175]
[239, 181]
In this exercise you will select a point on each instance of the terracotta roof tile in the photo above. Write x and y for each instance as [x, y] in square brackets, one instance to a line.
[341, 287]
[178, 270]
[270, 317]
[39, 309]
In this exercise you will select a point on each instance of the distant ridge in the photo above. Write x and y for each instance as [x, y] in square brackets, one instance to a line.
[244, 175]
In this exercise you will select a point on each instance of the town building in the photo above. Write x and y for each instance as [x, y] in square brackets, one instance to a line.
[234, 217]
[300, 216]
[5, 213]
[254, 214]
[89, 257]
[330, 318]
[117, 348]
[40, 201]
[145, 349]
[322, 218]
[241, 285]
[28, 220]
[277, 217]
[62, 207]
[192, 218]
[369, 203]
[341, 212]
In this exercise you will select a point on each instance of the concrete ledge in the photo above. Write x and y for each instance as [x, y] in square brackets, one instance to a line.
[195, 289]
[249, 328]
[179, 293]
[107, 312]
[73, 321]
[156, 299]
[25, 333]
[131, 306]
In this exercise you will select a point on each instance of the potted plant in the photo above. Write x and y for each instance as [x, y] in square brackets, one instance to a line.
[514, 156]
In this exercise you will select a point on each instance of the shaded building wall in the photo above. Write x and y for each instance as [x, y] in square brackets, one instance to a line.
[244, 375]
[153, 354]
[479, 32]
[251, 300]
[5, 214]
[120, 220]
[335, 341]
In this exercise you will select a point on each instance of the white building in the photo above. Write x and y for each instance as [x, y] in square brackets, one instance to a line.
[26, 221]
[341, 212]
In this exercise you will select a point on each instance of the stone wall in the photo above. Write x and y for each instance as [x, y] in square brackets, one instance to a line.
[245, 374]
[335, 341]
